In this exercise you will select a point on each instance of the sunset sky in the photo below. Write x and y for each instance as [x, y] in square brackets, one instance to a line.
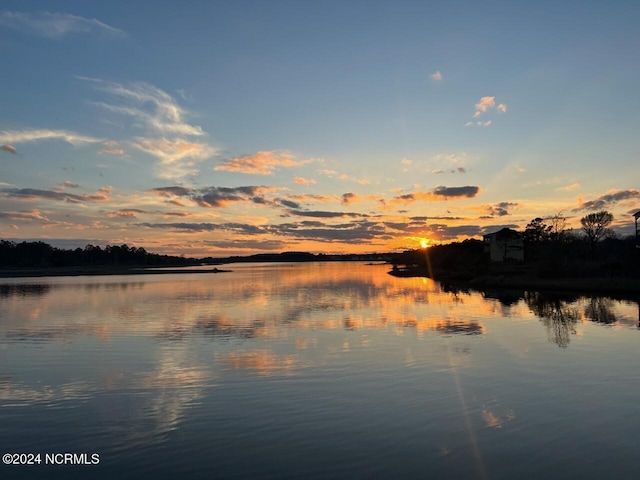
[230, 128]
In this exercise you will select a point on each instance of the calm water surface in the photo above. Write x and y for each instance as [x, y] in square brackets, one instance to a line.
[315, 370]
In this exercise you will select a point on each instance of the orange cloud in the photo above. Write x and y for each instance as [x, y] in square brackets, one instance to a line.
[303, 181]
[9, 148]
[261, 163]
[114, 151]
[484, 104]
[125, 212]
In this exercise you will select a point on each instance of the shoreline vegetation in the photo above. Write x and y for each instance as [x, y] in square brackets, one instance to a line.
[615, 270]
[572, 267]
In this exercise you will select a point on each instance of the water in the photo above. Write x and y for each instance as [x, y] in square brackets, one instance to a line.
[314, 370]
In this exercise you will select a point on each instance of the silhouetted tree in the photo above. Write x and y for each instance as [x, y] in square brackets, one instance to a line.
[40, 254]
[559, 233]
[596, 227]
[537, 231]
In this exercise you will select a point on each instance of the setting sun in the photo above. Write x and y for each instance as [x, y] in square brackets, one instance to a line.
[156, 158]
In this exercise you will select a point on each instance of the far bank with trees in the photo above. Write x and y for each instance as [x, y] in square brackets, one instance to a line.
[546, 255]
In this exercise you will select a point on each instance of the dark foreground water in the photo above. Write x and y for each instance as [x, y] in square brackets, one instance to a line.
[331, 370]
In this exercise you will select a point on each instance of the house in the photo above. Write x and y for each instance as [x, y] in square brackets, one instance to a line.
[637, 215]
[504, 245]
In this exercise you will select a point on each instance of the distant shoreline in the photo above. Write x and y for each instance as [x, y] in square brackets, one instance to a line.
[29, 272]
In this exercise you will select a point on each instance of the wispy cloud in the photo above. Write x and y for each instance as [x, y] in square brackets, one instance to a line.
[314, 198]
[32, 135]
[437, 76]
[343, 176]
[55, 25]
[325, 214]
[568, 188]
[154, 110]
[261, 163]
[449, 163]
[29, 216]
[113, 148]
[176, 156]
[478, 124]
[166, 131]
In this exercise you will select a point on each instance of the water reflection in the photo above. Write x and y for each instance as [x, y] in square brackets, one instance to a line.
[262, 362]
[19, 394]
[177, 383]
[446, 326]
[23, 290]
[495, 416]
[271, 302]
[600, 310]
[293, 355]
[557, 315]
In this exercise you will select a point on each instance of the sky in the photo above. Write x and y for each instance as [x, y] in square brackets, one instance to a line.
[214, 128]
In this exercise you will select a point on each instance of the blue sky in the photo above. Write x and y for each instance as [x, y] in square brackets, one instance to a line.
[223, 128]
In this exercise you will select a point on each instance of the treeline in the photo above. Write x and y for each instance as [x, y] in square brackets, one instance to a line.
[594, 250]
[40, 254]
[299, 257]
[551, 250]
[574, 257]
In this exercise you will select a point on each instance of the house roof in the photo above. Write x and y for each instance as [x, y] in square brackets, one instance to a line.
[637, 214]
[505, 232]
